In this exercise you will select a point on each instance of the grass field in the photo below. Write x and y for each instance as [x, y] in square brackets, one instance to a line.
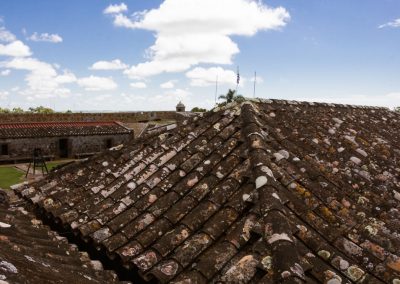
[10, 176]
[51, 165]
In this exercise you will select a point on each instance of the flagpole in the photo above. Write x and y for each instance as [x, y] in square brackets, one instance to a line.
[255, 79]
[237, 80]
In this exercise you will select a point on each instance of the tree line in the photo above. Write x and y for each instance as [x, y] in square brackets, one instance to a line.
[39, 109]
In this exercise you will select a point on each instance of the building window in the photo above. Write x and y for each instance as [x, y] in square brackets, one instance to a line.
[108, 143]
[4, 149]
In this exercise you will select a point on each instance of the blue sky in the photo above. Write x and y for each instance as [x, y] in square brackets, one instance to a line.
[148, 55]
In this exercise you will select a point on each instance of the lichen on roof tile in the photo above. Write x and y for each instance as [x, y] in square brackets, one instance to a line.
[267, 190]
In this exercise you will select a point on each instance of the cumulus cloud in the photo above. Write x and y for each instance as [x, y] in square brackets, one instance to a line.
[15, 49]
[197, 31]
[171, 97]
[139, 85]
[6, 36]
[115, 64]
[168, 85]
[202, 77]
[94, 83]
[46, 37]
[43, 80]
[3, 95]
[115, 9]
[5, 72]
[392, 24]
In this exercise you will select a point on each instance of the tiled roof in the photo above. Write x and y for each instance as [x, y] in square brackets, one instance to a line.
[31, 253]
[50, 129]
[262, 192]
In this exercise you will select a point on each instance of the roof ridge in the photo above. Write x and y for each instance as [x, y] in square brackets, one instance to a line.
[275, 224]
[320, 104]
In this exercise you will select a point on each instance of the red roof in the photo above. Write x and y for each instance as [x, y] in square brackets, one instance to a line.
[67, 128]
[56, 124]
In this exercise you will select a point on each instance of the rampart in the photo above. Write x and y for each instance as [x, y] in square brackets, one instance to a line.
[128, 117]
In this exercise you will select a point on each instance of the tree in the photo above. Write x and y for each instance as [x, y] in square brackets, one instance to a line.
[4, 110]
[231, 96]
[198, 109]
[41, 109]
[17, 110]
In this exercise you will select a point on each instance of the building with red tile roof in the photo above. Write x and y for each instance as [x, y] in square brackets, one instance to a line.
[59, 139]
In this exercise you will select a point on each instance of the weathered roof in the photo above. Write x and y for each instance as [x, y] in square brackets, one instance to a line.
[31, 252]
[263, 192]
[50, 129]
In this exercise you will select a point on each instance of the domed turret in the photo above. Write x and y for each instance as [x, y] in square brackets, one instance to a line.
[180, 107]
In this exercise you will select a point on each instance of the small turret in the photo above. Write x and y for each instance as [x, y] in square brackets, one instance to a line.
[180, 107]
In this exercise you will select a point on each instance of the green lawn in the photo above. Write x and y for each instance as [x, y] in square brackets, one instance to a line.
[10, 176]
[51, 165]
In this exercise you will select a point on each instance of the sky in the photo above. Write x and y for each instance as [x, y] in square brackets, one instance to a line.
[97, 55]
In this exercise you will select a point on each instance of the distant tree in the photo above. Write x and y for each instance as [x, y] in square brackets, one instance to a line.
[68, 111]
[4, 110]
[41, 109]
[17, 110]
[198, 109]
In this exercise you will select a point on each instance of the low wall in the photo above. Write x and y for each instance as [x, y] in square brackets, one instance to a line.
[112, 116]
[21, 149]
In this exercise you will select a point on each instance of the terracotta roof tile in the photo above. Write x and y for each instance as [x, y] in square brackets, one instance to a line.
[263, 192]
[50, 129]
[32, 253]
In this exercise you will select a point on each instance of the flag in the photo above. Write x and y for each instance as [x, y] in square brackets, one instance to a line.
[238, 77]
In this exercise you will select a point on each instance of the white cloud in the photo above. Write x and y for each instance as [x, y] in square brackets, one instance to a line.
[94, 83]
[170, 98]
[139, 85]
[115, 64]
[46, 37]
[42, 79]
[115, 9]
[198, 31]
[168, 85]
[6, 36]
[202, 77]
[3, 95]
[15, 49]
[66, 77]
[392, 24]
[5, 72]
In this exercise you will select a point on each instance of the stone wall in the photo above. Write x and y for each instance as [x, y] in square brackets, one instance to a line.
[21, 149]
[114, 116]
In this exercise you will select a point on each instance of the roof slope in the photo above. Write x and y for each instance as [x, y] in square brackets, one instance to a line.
[50, 129]
[32, 253]
[262, 192]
